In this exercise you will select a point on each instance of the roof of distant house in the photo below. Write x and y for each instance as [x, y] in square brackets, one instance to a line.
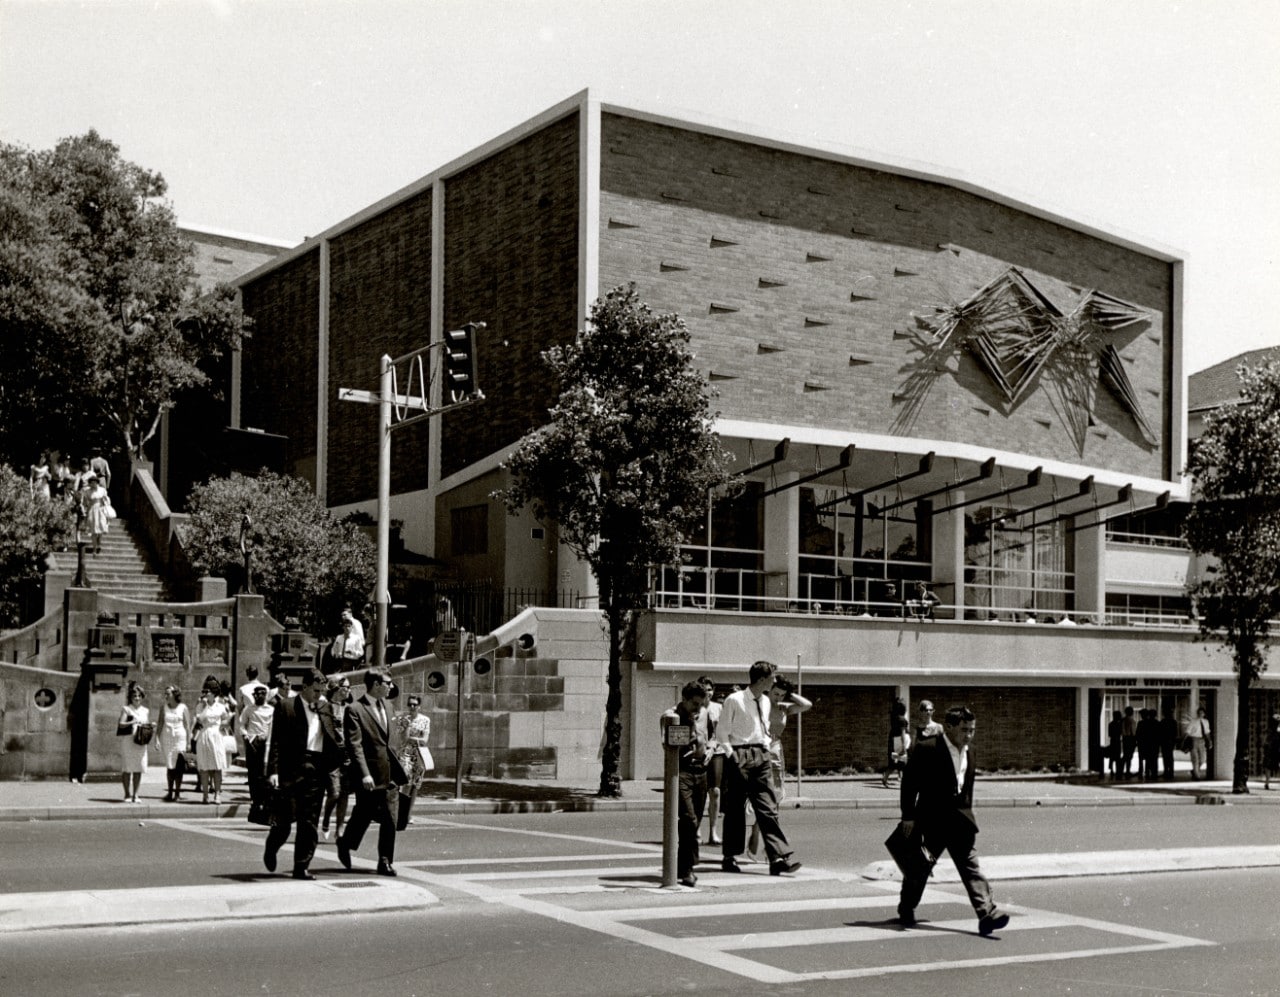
[1218, 385]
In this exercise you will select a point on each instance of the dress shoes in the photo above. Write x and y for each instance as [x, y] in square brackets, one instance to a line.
[992, 922]
[269, 859]
[385, 868]
[303, 874]
[783, 867]
[906, 918]
[344, 854]
[689, 879]
[729, 865]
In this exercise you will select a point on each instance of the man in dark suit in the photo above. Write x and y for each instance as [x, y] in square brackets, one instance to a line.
[367, 729]
[937, 809]
[306, 746]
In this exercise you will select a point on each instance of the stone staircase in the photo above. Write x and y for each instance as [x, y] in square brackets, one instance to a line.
[121, 569]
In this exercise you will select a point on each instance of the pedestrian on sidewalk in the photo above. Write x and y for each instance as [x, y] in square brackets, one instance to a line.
[175, 736]
[744, 725]
[1128, 740]
[305, 747]
[134, 718]
[786, 702]
[1148, 745]
[717, 750]
[1271, 751]
[899, 741]
[1168, 741]
[937, 809]
[255, 723]
[692, 777]
[925, 725]
[213, 720]
[1201, 741]
[366, 729]
[1115, 743]
[413, 729]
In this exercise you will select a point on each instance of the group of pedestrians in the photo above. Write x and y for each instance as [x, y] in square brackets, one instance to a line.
[1153, 740]
[86, 490]
[936, 795]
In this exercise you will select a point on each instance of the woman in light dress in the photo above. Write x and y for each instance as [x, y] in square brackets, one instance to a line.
[174, 731]
[41, 475]
[213, 720]
[133, 756]
[414, 727]
[96, 502]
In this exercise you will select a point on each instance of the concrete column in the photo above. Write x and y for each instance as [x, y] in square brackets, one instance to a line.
[80, 612]
[1223, 729]
[1091, 575]
[947, 567]
[1082, 727]
[782, 544]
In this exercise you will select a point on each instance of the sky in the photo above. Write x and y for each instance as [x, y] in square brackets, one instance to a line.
[1158, 120]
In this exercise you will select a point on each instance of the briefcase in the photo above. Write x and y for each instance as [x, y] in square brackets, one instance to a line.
[909, 853]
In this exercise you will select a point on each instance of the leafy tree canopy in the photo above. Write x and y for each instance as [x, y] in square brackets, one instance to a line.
[305, 562]
[1235, 523]
[99, 308]
[30, 527]
[625, 466]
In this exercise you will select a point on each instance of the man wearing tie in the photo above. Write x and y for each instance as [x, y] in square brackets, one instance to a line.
[305, 746]
[366, 727]
[744, 726]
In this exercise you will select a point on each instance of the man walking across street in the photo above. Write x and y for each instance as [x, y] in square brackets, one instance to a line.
[744, 726]
[367, 731]
[689, 712]
[937, 809]
[305, 747]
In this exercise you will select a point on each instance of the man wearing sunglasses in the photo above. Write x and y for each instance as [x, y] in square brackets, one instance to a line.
[367, 729]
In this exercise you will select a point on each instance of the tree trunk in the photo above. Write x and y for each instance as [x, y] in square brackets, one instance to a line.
[1240, 765]
[610, 776]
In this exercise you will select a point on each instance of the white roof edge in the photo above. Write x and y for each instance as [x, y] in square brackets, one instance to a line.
[242, 236]
[744, 132]
[774, 432]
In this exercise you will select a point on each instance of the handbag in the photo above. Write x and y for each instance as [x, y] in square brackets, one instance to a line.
[912, 857]
[143, 733]
[124, 728]
[110, 510]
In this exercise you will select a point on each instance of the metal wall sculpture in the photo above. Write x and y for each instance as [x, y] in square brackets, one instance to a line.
[1020, 338]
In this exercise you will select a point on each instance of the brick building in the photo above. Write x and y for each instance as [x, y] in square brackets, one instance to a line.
[927, 382]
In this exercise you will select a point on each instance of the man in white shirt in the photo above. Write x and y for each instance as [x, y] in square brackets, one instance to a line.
[937, 810]
[347, 650]
[254, 723]
[744, 726]
[1201, 738]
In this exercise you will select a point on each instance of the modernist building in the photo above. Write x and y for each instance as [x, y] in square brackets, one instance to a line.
[922, 380]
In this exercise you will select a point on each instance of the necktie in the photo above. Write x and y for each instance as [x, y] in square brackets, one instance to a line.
[382, 715]
[764, 725]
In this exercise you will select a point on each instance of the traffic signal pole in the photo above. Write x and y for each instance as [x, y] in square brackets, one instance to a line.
[456, 367]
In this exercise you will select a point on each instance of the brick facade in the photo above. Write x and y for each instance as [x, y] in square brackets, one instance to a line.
[379, 303]
[511, 251]
[799, 277]
[1018, 727]
[279, 366]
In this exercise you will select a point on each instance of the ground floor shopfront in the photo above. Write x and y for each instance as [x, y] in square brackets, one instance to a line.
[1043, 694]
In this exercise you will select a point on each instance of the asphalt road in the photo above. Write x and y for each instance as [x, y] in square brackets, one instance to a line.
[568, 904]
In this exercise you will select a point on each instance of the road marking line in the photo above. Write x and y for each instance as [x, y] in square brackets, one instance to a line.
[734, 909]
[846, 934]
[634, 846]
[522, 860]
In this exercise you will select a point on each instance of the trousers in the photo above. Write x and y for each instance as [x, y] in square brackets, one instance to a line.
[747, 778]
[301, 802]
[693, 799]
[374, 806]
[965, 856]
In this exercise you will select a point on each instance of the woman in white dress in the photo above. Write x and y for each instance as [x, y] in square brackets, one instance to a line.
[96, 503]
[175, 735]
[133, 756]
[213, 720]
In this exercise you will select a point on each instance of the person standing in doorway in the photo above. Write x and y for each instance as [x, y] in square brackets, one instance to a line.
[744, 726]
[367, 730]
[937, 809]
[1115, 742]
[1201, 741]
[1128, 739]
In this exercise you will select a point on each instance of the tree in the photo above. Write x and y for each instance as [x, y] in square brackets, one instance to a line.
[305, 562]
[625, 467]
[30, 527]
[99, 308]
[1235, 521]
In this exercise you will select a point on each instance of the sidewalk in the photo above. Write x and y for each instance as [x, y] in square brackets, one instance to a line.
[97, 800]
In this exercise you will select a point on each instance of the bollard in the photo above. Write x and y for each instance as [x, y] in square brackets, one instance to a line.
[670, 813]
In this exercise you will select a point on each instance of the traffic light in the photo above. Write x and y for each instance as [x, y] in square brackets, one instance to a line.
[460, 364]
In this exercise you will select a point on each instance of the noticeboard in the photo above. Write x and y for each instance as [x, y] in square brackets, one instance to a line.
[448, 645]
[678, 735]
